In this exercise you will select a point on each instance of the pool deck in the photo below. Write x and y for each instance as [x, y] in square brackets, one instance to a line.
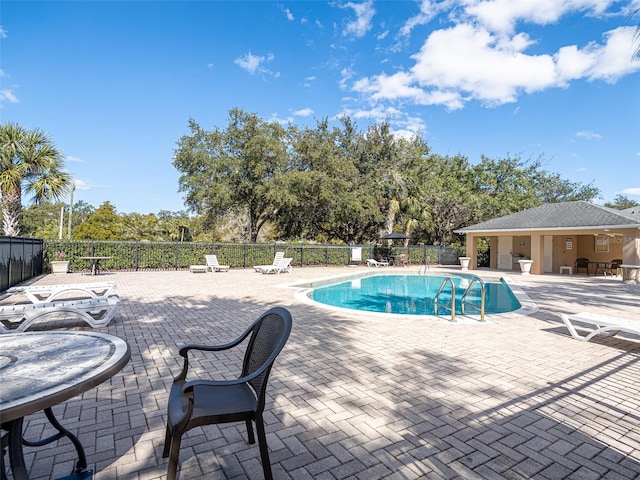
[355, 396]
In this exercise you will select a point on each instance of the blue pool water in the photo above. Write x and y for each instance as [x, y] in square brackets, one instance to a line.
[412, 295]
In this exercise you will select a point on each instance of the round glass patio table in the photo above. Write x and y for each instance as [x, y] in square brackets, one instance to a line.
[39, 370]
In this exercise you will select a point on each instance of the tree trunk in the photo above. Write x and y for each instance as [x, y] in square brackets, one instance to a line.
[11, 210]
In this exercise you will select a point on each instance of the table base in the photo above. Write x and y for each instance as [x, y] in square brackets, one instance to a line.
[14, 441]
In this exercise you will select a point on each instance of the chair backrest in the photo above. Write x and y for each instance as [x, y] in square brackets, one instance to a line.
[277, 258]
[269, 335]
[582, 262]
[285, 262]
[212, 260]
[616, 262]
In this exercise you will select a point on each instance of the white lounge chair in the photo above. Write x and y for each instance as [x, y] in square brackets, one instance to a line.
[214, 266]
[356, 254]
[97, 312]
[374, 263]
[48, 293]
[283, 266]
[599, 325]
[276, 260]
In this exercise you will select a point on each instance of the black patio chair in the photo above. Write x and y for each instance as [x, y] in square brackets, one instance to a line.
[196, 403]
[614, 266]
[581, 263]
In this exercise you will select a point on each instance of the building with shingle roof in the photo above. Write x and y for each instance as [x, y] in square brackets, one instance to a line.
[556, 234]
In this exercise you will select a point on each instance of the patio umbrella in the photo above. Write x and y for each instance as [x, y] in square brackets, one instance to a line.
[395, 236]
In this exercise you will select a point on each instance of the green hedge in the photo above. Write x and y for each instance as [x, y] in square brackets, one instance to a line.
[145, 255]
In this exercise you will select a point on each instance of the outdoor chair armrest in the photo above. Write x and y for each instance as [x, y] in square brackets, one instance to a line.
[191, 384]
[184, 350]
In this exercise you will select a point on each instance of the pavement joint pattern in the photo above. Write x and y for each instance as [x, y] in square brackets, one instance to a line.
[354, 396]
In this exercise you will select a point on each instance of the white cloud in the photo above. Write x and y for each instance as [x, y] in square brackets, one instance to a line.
[305, 112]
[468, 62]
[3, 32]
[282, 121]
[346, 74]
[255, 63]
[81, 184]
[428, 10]
[289, 15]
[503, 15]
[376, 113]
[7, 95]
[362, 24]
[71, 158]
[631, 191]
[587, 135]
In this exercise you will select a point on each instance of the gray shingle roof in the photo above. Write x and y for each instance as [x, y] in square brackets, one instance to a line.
[578, 214]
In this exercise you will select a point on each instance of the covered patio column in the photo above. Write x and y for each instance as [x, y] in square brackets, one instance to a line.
[537, 254]
[472, 250]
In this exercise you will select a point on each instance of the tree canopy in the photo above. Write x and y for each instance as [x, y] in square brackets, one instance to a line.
[257, 180]
[346, 185]
[29, 163]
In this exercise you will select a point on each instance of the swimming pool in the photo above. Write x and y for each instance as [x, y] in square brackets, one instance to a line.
[411, 294]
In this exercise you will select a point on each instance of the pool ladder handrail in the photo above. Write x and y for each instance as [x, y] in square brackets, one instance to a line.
[482, 296]
[463, 302]
[451, 308]
[426, 267]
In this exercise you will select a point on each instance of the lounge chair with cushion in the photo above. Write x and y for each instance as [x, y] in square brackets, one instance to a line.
[599, 325]
[48, 293]
[276, 260]
[97, 312]
[283, 266]
[198, 402]
[214, 266]
[581, 263]
[374, 263]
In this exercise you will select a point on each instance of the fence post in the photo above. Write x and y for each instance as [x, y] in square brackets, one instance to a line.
[244, 255]
[326, 255]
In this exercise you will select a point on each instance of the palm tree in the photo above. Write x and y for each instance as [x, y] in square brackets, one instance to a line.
[28, 161]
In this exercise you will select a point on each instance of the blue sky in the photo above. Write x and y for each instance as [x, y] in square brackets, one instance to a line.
[114, 83]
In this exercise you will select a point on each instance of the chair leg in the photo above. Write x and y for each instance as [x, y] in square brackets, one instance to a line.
[252, 439]
[172, 468]
[264, 451]
[167, 443]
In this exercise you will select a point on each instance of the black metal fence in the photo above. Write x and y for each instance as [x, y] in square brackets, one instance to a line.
[20, 260]
[144, 255]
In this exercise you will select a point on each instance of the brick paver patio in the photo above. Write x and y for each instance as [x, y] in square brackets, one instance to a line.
[354, 396]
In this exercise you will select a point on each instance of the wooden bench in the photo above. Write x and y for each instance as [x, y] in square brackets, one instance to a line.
[599, 325]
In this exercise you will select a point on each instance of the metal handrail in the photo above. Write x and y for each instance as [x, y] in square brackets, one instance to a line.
[482, 294]
[426, 267]
[451, 308]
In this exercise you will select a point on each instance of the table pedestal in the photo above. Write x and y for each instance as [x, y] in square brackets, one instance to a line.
[14, 441]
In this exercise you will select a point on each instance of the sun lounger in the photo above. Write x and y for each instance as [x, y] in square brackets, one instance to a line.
[599, 325]
[283, 266]
[214, 266]
[48, 293]
[374, 263]
[276, 260]
[97, 312]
